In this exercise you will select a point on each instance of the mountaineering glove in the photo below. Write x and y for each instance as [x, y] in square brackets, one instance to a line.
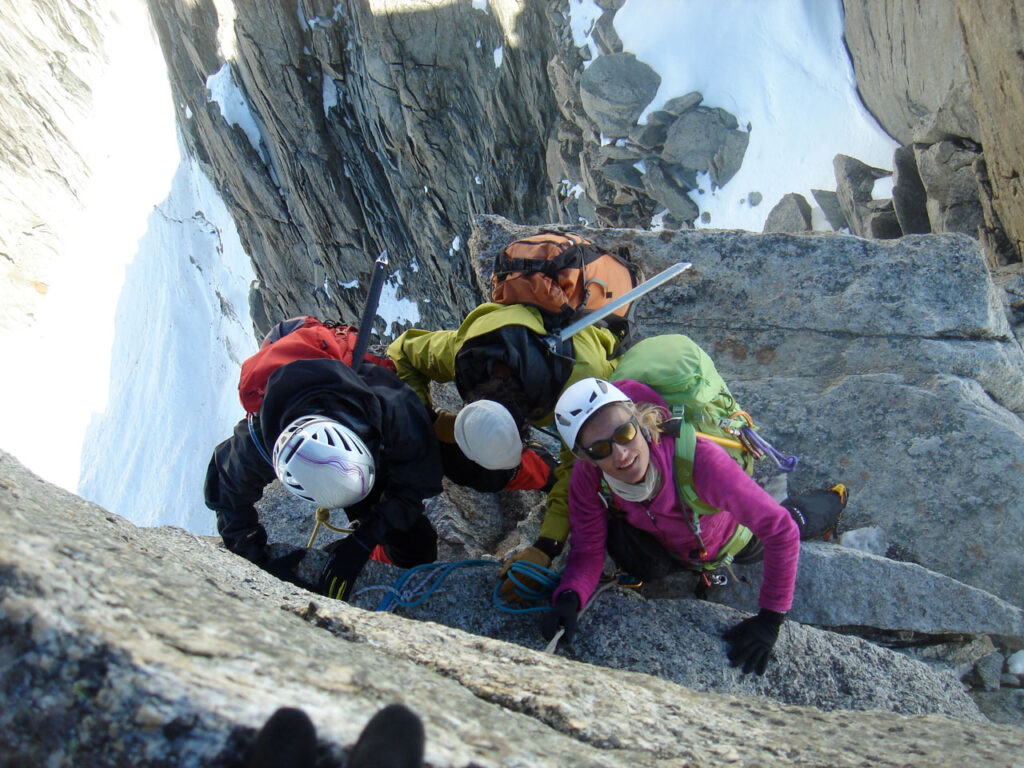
[444, 426]
[344, 565]
[283, 567]
[531, 554]
[564, 614]
[751, 641]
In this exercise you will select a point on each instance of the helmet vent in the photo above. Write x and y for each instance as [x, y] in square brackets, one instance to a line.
[292, 450]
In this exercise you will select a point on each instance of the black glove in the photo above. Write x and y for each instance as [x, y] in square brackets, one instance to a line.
[752, 640]
[284, 568]
[344, 565]
[563, 614]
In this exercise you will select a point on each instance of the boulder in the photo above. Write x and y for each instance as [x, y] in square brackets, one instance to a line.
[604, 35]
[854, 184]
[158, 644]
[958, 657]
[909, 197]
[911, 68]
[706, 139]
[624, 174]
[659, 185]
[649, 136]
[880, 363]
[790, 214]
[828, 201]
[947, 174]
[615, 89]
[728, 158]
[989, 670]
[680, 104]
[839, 588]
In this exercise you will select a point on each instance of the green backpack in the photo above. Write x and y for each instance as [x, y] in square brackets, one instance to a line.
[681, 372]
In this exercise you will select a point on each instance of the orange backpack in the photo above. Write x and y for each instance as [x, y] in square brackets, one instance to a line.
[563, 275]
[298, 338]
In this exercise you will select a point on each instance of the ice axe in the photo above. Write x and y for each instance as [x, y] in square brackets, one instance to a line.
[556, 339]
[380, 266]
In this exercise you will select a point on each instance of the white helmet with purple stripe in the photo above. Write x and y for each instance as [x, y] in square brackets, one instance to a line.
[324, 462]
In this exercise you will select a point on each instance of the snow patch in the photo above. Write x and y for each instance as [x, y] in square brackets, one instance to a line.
[582, 16]
[182, 332]
[499, 55]
[882, 190]
[234, 108]
[330, 94]
[393, 309]
[781, 66]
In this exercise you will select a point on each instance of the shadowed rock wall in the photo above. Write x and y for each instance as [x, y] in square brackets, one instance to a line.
[375, 127]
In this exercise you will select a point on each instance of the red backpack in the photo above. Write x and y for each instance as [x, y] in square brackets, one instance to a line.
[298, 338]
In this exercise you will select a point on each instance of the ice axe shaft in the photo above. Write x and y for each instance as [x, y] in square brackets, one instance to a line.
[380, 267]
[599, 314]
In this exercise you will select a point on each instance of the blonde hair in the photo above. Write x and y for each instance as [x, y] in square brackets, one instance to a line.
[649, 416]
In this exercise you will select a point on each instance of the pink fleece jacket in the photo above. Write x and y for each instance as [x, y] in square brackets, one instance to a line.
[718, 481]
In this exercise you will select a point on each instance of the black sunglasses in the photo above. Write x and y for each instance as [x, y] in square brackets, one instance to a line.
[624, 434]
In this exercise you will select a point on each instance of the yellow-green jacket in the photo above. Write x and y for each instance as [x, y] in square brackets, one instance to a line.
[425, 356]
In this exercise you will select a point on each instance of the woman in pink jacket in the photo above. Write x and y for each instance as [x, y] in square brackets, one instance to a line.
[626, 463]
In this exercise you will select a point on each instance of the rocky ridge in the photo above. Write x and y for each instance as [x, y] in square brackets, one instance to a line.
[154, 646]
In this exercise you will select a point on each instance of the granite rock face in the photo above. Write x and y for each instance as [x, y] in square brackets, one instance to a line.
[52, 57]
[155, 647]
[842, 588]
[991, 33]
[940, 76]
[911, 68]
[373, 127]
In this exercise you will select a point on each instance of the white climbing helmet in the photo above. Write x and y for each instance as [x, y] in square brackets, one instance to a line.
[581, 401]
[487, 433]
[324, 462]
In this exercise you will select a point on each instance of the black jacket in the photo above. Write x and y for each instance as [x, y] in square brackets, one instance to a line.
[375, 403]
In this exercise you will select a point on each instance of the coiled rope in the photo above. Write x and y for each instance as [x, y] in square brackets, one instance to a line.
[418, 584]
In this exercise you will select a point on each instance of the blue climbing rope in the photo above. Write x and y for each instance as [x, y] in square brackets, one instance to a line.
[418, 584]
[545, 579]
